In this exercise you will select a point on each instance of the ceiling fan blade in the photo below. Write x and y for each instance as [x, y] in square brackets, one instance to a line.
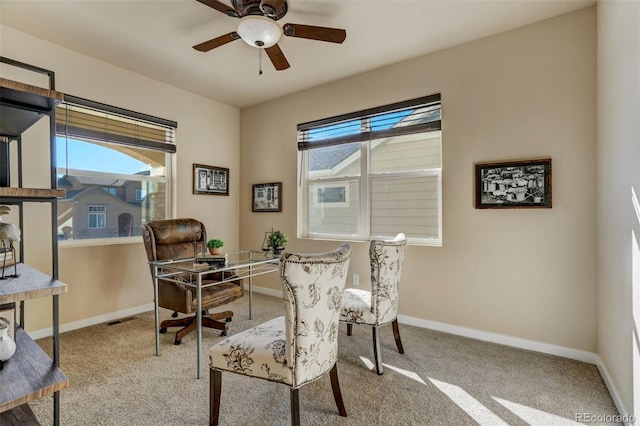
[217, 42]
[277, 57]
[221, 7]
[332, 35]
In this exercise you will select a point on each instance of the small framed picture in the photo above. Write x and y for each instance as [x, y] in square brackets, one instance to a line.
[210, 180]
[513, 184]
[267, 197]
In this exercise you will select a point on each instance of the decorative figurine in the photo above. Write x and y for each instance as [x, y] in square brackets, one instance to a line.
[8, 234]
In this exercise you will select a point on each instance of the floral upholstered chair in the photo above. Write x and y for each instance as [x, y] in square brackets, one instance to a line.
[298, 348]
[380, 305]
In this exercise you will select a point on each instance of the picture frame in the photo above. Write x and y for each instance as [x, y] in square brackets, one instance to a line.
[210, 180]
[513, 184]
[266, 197]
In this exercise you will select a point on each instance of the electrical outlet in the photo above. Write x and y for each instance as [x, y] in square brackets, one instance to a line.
[356, 280]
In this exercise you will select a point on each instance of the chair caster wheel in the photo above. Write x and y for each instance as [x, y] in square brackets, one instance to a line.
[228, 319]
[163, 330]
[224, 333]
[174, 315]
[177, 342]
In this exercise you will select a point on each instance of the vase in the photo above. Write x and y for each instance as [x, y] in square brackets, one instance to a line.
[277, 250]
[520, 196]
[214, 251]
[7, 345]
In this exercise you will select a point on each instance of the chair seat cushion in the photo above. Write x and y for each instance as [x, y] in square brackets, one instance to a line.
[259, 352]
[217, 295]
[356, 307]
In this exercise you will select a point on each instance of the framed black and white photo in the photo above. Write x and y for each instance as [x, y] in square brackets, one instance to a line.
[210, 180]
[513, 184]
[267, 197]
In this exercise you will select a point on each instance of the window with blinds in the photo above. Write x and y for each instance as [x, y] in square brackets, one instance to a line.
[374, 173]
[114, 165]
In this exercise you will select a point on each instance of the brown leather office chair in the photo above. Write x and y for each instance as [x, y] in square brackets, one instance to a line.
[177, 239]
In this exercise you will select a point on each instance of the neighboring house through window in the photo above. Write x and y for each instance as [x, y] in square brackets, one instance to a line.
[374, 173]
[114, 165]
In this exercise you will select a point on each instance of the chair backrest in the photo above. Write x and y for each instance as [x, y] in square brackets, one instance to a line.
[313, 286]
[387, 258]
[173, 238]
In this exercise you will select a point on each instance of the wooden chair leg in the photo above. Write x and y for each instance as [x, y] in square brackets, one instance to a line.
[376, 350]
[337, 395]
[215, 385]
[349, 329]
[295, 408]
[396, 335]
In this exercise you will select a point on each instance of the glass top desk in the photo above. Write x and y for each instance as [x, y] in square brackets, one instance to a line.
[243, 264]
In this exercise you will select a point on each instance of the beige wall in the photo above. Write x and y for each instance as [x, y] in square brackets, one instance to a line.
[618, 179]
[107, 279]
[530, 92]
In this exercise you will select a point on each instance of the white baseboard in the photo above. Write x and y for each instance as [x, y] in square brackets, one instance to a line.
[617, 400]
[267, 291]
[46, 332]
[515, 342]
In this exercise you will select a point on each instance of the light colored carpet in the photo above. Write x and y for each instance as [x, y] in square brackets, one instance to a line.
[442, 379]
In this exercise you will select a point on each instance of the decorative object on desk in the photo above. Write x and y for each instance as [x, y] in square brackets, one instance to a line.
[267, 197]
[214, 245]
[7, 311]
[210, 180]
[7, 345]
[8, 234]
[513, 184]
[277, 241]
[218, 261]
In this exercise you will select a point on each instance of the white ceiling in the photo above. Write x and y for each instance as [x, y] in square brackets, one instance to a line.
[155, 37]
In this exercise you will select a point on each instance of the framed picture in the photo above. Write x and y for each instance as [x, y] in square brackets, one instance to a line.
[210, 180]
[513, 184]
[267, 197]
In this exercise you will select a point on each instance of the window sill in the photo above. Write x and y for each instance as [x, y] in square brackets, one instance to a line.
[91, 242]
[410, 241]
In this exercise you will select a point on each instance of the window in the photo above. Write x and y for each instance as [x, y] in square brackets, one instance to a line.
[114, 165]
[374, 173]
[97, 217]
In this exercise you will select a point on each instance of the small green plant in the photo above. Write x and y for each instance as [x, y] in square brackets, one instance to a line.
[277, 239]
[215, 243]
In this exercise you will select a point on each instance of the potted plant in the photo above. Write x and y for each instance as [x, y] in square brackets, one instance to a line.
[214, 245]
[277, 241]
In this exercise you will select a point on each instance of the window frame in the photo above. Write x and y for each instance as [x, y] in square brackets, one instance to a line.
[98, 214]
[365, 178]
[81, 135]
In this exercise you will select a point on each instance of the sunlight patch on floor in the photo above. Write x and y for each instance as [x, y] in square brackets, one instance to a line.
[367, 363]
[533, 416]
[469, 404]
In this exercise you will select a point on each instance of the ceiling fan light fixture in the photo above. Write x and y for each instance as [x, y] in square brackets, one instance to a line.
[259, 31]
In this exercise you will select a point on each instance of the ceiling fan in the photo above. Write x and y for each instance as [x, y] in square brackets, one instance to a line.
[258, 28]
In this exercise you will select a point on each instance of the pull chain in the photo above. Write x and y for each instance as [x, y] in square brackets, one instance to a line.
[260, 61]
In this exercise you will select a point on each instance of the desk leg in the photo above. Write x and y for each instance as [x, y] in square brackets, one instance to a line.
[199, 320]
[250, 292]
[156, 309]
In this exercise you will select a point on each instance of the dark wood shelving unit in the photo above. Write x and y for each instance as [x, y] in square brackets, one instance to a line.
[30, 373]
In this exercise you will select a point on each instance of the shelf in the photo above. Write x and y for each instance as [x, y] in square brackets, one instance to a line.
[19, 416]
[31, 374]
[21, 105]
[30, 193]
[30, 284]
